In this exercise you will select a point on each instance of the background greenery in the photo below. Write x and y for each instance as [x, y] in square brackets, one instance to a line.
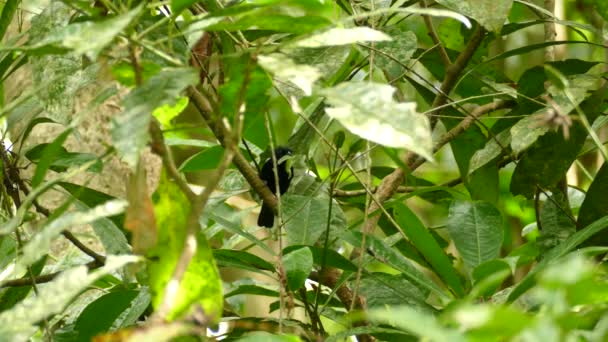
[450, 170]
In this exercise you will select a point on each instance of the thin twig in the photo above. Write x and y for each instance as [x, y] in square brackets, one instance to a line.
[45, 278]
[443, 54]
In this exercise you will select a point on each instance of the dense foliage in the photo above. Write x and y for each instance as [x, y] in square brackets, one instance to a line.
[449, 170]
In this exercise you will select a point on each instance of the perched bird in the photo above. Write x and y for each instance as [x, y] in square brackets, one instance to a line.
[285, 173]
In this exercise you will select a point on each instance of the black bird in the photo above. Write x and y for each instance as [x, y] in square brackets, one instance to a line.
[285, 173]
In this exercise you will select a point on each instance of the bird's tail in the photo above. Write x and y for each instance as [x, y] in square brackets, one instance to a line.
[266, 218]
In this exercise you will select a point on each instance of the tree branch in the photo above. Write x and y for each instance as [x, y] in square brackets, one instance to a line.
[219, 130]
[391, 182]
[30, 281]
[443, 54]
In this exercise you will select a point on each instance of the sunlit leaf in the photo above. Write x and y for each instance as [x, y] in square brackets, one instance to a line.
[369, 111]
[18, 323]
[40, 243]
[491, 14]
[130, 128]
[200, 285]
[303, 76]
[343, 36]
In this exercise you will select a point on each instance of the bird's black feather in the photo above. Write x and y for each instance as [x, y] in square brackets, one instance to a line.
[266, 218]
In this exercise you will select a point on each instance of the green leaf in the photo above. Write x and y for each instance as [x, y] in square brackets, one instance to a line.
[493, 148]
[40, 243]
[545, 163]
[123, 72]
[400, 49]
[491, 14]
[130, 128]
[19, 323]
[8, 11]
[558, 252]
[11, 296]
[48, 154]
[527, 131]
[342, 36]
[252, 290]
[484, 321]
[62, 160]
[382, 289]
[110, 312]
[243, 72]
[177, 6]
[165, 113]
[556, 219]
[201, 283]
[415, 322]
[208, 159]
[594, 205]
[298, 265]
[260, 336]
[111, 237]
[369, 111]
[486, 271]
[476, 229]
[393, 258]
[272, 22]
[305, 218]
[89, 37]
[424, 242]
[284, 68]
[91, 198]
[241, 259]
[326, 258]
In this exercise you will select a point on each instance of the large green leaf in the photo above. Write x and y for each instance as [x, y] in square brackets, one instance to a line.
[298, 265]
[19, 323]
[491, 14]
[423, 325]
[40, 243]
[393, 258]
[130, 128]
[546, 162]
[200, 284]
[306, 210]
[285, 69]
[476, 229]
[594, 206]
[88, 38]
[343, 36]
[369, 111]
[396, 53]
[110, 312]
[424, 242]
[556, 219]
[556, 253]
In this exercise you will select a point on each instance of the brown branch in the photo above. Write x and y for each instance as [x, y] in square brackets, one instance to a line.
[29, 281]
[330, 278]
[100, 260]
[391, 183]
[361, 192]
[452, 73]
[443, 54]
[190, 242]
[416, 161]
[219, 130]
[14, 178]
[160, 148]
